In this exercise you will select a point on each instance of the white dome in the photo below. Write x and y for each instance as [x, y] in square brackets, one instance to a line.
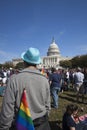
[53, 46]
[53, 49]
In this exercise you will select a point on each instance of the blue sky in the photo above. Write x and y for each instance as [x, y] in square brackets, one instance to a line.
[33, 23]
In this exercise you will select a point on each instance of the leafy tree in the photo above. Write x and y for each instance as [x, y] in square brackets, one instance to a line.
[65, 63]
[80, 61]
[8, 64]
[76, 61]
[20, 65]
[83, 61]
[1, 66]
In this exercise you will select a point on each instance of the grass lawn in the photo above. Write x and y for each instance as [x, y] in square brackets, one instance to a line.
[65, 98]
[55, 117]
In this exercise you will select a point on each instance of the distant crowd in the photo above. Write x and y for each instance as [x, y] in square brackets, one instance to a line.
[5, 74]
[65, 79]
[68, 77]
[30, 94]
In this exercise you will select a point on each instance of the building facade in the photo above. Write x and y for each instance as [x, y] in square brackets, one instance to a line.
[51, 60]
[53, 56]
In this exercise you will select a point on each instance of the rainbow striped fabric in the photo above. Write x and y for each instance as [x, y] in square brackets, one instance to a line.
[24, 120]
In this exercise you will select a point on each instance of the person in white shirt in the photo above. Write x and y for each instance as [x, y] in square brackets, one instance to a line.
[78, 81]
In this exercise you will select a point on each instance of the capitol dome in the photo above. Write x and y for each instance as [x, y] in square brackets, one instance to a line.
[53, 49]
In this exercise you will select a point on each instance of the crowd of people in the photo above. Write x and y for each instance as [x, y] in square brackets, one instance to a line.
[5, 74]
[61, 80]
[43, 88]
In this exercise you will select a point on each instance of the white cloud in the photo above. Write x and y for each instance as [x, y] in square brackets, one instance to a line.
[61, 33]
[2, 53]
[83, 48]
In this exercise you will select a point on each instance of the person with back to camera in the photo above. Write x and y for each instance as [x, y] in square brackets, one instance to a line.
[55, 84]
[78, 81]
[69, 122]
[38, 93]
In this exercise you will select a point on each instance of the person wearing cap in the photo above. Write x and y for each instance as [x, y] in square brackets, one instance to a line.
[38, 93]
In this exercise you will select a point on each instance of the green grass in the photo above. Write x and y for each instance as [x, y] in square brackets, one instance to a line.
[64, 99]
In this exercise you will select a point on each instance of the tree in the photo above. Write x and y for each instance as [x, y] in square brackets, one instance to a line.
[65, 63]
[8, 64]
[1, 66]
[80, 61]
[20, 65]
[76, 61]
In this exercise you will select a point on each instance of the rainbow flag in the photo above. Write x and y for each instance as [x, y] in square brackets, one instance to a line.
[24, 120]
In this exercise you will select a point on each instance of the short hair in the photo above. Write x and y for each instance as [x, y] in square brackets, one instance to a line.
[71, 108]
[53, 69]
[26, 64]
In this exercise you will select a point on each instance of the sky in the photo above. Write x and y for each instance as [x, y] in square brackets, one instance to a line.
[33, 23]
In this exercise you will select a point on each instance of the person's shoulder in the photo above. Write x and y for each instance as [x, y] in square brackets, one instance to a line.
[67, 116]
[81, 73]
[13, 75]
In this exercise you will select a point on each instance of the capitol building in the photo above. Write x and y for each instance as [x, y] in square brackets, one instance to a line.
[53, 56]
[51, 60]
